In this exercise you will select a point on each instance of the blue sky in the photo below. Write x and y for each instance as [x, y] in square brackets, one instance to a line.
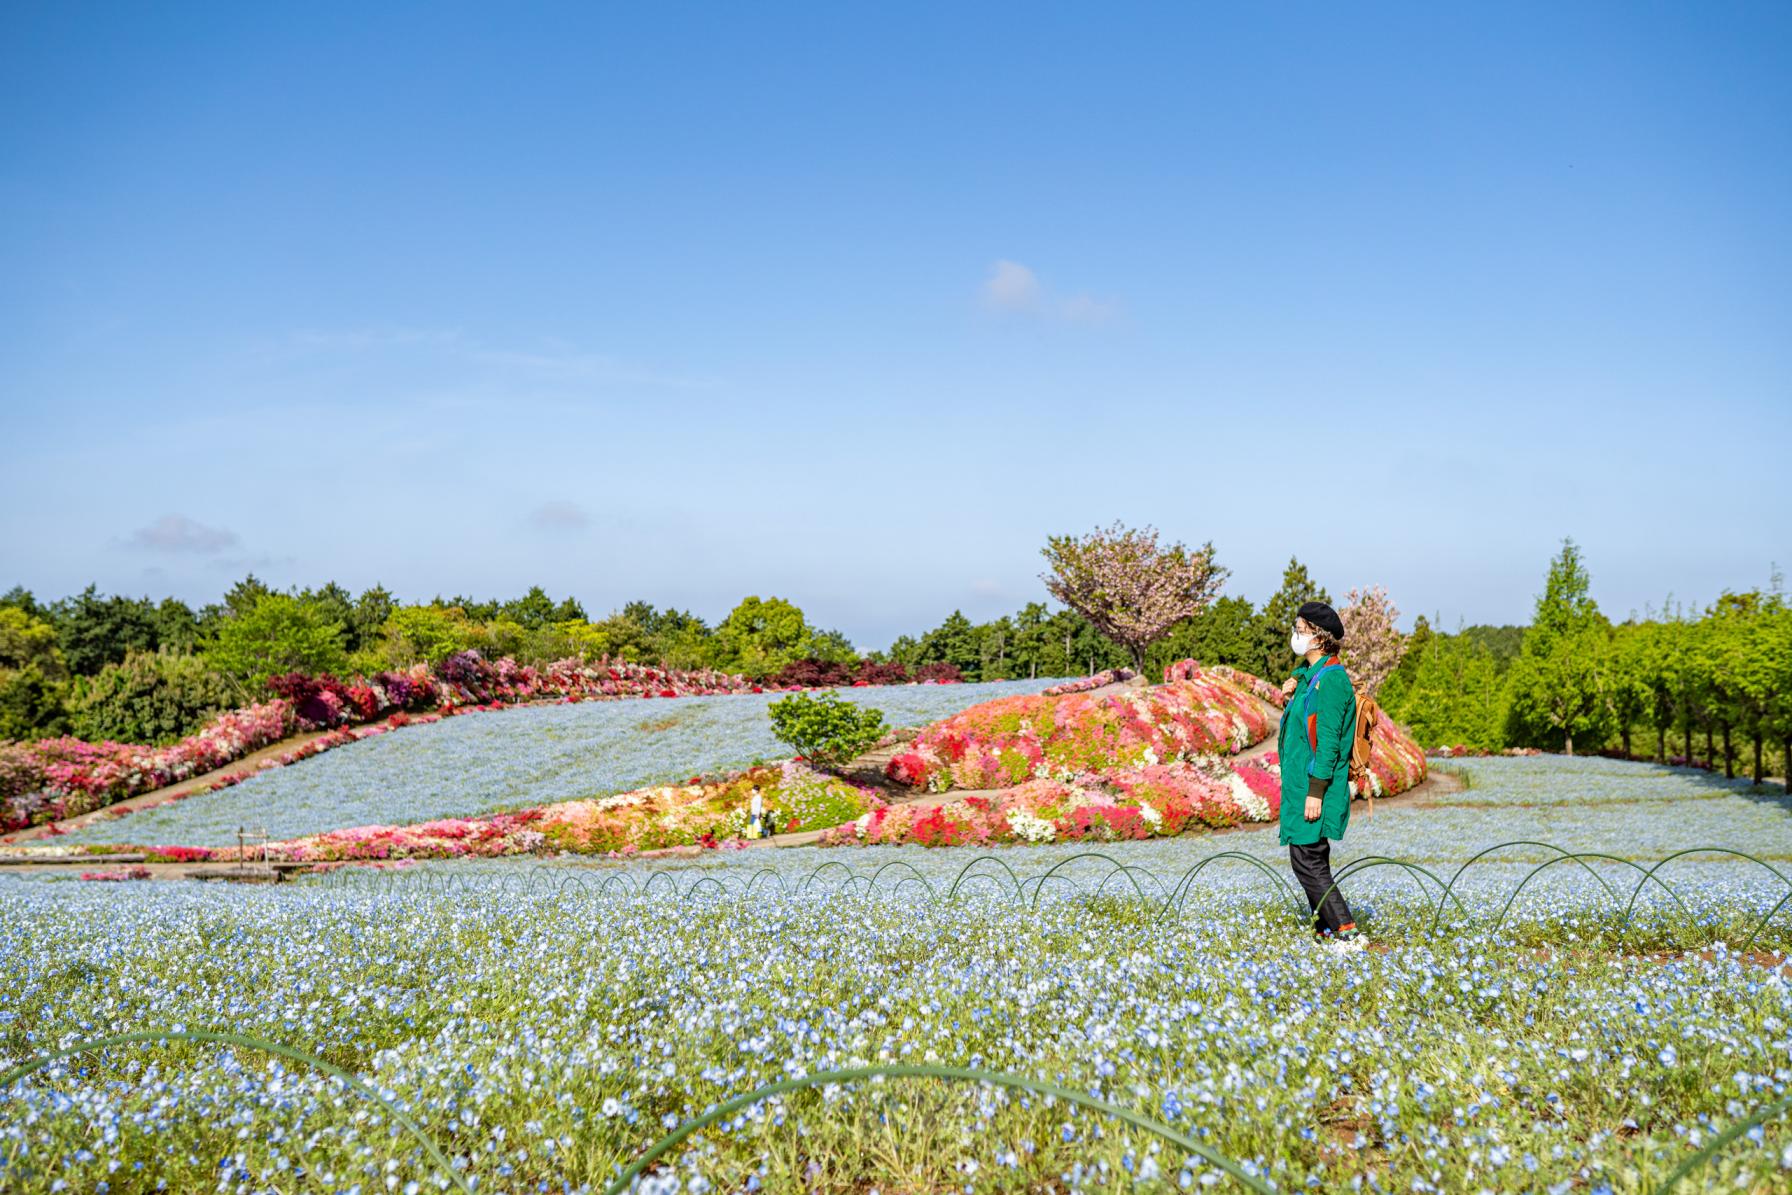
[855, 307]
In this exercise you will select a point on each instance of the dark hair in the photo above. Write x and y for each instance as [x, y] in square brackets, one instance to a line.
[1323, 639]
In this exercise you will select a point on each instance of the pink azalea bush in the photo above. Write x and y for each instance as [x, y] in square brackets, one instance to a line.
[1004, 742]
[65, 777]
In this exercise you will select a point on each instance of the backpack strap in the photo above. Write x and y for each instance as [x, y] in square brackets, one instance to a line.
[1306, 704]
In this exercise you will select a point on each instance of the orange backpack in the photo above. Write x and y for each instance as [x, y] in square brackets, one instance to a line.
[1368, 713]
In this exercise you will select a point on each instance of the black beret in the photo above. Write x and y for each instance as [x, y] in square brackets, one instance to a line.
[1320, 615]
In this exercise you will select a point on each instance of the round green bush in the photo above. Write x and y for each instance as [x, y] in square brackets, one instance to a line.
[823, 729]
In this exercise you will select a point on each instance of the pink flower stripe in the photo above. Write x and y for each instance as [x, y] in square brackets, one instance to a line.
[703, 813]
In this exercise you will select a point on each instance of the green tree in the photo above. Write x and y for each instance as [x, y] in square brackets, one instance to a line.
[1416, 643]
[533, 610]
[1561, 682]
[1224, 633]
[427, 634]
[27, 641]
[31, 704]
[834, 647]
[1747, 666]
[1656, 664]
[94, 630]
[1452, 694]
[760, 636]
[1566, 607]
[177, 626]
[954, 642]
[21, 598]
[1630, 691]
[824, 729]
[1502, 643]
[367, 622]
[280, 633]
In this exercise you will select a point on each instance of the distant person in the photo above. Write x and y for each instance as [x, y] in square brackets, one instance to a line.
[756, 815]
[1318, 727]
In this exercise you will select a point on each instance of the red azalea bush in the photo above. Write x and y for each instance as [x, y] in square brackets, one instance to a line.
[872, 673]
[317, 701]
[813, 674]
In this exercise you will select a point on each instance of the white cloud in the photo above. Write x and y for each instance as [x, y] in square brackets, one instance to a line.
[178, 533]
[1013, 287]
[559, 516]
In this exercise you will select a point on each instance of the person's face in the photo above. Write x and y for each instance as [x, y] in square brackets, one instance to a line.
[1302, 626]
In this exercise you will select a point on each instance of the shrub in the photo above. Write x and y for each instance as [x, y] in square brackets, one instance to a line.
[469, 671]
[940, 673]
[872, 673]
[317, 701]
[30, 704]
[21, 771]
[152, 697]
[812, 674]
[824, 729]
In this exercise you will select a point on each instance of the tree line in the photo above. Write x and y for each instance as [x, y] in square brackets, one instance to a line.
[1711, 686]
[1706, 685]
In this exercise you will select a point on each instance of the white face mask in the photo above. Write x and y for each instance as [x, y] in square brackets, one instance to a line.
[1300, 643]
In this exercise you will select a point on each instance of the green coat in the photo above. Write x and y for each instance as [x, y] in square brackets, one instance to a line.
[1334, 726]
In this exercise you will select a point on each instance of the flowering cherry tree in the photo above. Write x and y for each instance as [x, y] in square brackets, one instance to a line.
[1129, 588]
[1372, 645]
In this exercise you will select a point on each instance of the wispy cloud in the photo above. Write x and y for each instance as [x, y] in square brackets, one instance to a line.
[546, 361]
[176, 533]
[1015, 289]
[559, 516]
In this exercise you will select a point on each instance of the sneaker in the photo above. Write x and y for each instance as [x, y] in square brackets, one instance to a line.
[1348, 941]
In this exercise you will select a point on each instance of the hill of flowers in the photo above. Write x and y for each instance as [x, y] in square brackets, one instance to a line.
[59, 778]
[1097, 768]
[1007, 742]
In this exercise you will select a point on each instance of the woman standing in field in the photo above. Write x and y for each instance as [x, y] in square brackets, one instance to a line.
[1318, 727]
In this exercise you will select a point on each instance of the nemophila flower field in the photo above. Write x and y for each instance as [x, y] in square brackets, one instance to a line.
[529, 755]
[545, 1024]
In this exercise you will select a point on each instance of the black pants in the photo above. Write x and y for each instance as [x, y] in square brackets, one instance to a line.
[1313, 868]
